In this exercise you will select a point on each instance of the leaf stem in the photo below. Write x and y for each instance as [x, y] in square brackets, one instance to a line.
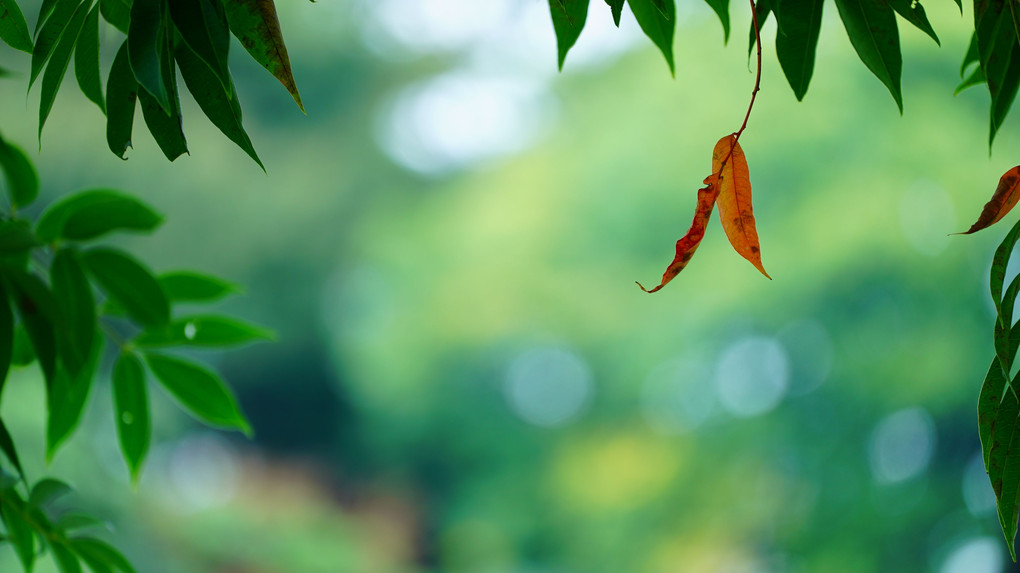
[754, 92]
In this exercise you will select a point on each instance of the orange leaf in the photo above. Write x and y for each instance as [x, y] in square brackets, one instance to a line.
[686, 246]
[735, 212]
[1005, 197]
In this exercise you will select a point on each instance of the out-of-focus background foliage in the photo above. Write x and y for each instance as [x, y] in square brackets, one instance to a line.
[467, 378]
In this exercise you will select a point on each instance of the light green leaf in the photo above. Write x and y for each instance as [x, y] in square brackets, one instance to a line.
[203, 330]
[93, 213]
[22, 179]
[256, 25]
[657, 19]
[871, 25]
[131, 408]
[147, 35]
[189, 286]
[199, 391]
[67, 400]
[46, 490]
[13, 28]
[568, 18]
[60, 58]
[121, 95]
[86, 60]
[130, 284]
[77, 332]
[799, 24]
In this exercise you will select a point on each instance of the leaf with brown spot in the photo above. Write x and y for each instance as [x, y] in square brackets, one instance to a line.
[686, 246]
[735, 211]
[1005, 197]
[256, 25]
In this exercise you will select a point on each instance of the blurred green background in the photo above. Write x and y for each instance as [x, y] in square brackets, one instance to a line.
[466, 378]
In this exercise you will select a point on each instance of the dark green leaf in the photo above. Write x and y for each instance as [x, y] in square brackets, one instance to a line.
[222, 110]
[22, 179]
[60, 58]
[66, 561]
[131, 408]
[147, 35]
[799, 23]
[97, 552]
[971, 57]
[256, 25]
[617, 7]
[67, 400]
[8, 449]
[86, 60]
[116, 12]
[49, 35]
[913, 12]
[657, 19]
[568, 17]
[130, 284]
[997, 49]
[45, 11]
[722, 10]
[871, 25]
[18, 530]
[46, 491]
[6, 337]
[199, 391]
[121, 94]
[997, 275]
[977, 77]
[203, 330]
[16, 237]
[166, 130]
[93, 213]
[188, 286]
[203, 27]
[71, 288]
[13, 28]
[38, 311]
[22, 355]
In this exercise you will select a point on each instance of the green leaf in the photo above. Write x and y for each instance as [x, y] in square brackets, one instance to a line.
[49, 35]
[67, 400]
[22, 179]
[871, 25]
[222, 110]
[97, 552]
[8, 449]
[617, 7]
[722, 10]
[799, 23]
[762, 9]
[117, 13]
[18, 530]
[6, 337]
[1000, 260]
[22, 355]
[189, 286]
[13, 28]
[657, 19]
[74, 521]
[131, 408]
[568, 18]
[166, 130]
[999, 57]
[16, 237]
[60, 58]
[971, 57]
[93, 213]
[130, 284]
[45, 11]
[913, 12]
[66, 561]
[147, 35]
[86, 60]
[256, 25]
[199, 391]
[121, 94]
[38, 311]
[203, 27]
[203, 330]
[71, 288]
[977, 77]
[46, 490]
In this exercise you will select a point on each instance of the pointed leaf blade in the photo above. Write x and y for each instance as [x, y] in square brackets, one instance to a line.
[86, 60]
[131, 408]
[799, 25]
[130, 284]
[256, 25]
[121, 96]
[20, 174]
[871, 25]
[657, 19]
[147, 33]
[735, 210]
[913, 12]
[67, 400]
[59, 60]
[1005, 197]
[199, 391]
[13, 28]
[209, 330]
[722, 10]
[189, 286]
[93, 213]
[617, 8]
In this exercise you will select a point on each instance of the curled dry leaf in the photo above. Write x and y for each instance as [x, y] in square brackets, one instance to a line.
[735, 211]
[686, 246]
[1005, 197]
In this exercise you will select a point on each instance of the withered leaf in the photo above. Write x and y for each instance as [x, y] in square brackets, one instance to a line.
[734, 200]
[1005, 197]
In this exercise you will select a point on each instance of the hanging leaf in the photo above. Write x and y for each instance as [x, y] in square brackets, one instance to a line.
[117, 13]
[199, 391]
[67, 400]
[568, 18]
[71, 288]
[997, 275]
[86, 60]
[617, 7]
[256, 25]
[722, 10]
[50, 34]
[121, 94]
[59, 59]
[166, 130]
[22, 179]
[799, 24]
[657, 19]
[871, 25]
[223, 111]
[93, 213]
[38, 311]
[6, 337]
[734, 200]
[997, 49]
[203, 27]
[8, 449]
[97, 553]
[913, 12]
[203, 330]
[131, 409]
[19, 532]
[66, 560]
[147, 34]
[13, 28]
[762, 9]
[686, 246]
[189, 286]
[1006, 195]
[130, 284]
